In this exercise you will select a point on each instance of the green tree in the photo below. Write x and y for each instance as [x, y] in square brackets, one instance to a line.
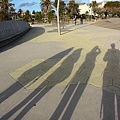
[20, 13]
[51, 15]
[27, 16]
[61, 7]
[73, 8]
[55, 3]
[12, 10]
[94, 6]
[39, 16]
[4, 10]
[112, 4]
[33, 12]
[113, 7]
[45, 5]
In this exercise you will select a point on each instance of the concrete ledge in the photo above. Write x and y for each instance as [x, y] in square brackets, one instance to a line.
[11, 30]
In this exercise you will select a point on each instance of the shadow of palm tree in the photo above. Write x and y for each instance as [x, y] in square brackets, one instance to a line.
[32, 33]
[111, 80]
[59, 75]
[34, 73]
[79, 80]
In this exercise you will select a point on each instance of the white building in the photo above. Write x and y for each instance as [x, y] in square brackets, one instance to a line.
[101, 4]
[83, 7]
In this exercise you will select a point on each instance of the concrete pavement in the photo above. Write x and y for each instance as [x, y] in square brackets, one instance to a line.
[73, 76]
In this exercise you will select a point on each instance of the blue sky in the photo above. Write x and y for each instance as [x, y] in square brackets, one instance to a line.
[34, 4]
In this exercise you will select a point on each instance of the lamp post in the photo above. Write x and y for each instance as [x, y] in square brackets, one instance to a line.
[90, 13]
[58, 19]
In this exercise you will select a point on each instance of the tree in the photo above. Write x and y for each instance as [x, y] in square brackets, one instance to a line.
[94, 6]
[45, 7]
[27, 16]
[38, 16]
[113, 7]
[6, 4]
[51, 15]
[61, 7]
[12, 10]
[45, 4]
[73, 8]
[112, 4]
[33, 12]
[4, 10]
[20, 13]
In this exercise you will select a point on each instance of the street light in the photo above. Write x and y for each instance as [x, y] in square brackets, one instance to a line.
[58, 19]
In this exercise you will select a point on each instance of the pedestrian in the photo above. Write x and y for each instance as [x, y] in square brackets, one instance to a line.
[106, 14]
[75, 18]
[81, 19]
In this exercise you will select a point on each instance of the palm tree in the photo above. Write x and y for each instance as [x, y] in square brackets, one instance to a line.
[6, 4]
[12, 13]
[45, 4]
[61, 7]
[12, 10]
[27, 16]
[20, 12]
[38, 16]
[94, 6]
[50, 15]
[4, 10]
[73, 8]
[113, 7]
[33, 12]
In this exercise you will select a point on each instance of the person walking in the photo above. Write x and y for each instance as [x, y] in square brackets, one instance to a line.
[106, 14]
[81, 19]
[75, 18]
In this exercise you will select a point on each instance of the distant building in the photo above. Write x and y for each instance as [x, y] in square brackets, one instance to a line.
[83, 7]
[101, 4]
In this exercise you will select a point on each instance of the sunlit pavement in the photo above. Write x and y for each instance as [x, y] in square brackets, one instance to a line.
[75, 75]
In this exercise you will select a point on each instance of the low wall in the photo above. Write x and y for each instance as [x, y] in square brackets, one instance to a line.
[11, 30]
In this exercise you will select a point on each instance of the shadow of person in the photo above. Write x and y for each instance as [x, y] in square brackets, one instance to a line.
[34, 73]
[59, 75]
[79, 82]
[111, 81]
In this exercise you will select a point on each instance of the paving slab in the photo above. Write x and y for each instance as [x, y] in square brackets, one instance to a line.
[71, 76]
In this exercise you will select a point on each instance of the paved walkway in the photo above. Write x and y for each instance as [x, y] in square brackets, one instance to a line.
[72, 76]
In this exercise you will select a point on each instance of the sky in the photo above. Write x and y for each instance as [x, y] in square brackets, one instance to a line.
[35, 4]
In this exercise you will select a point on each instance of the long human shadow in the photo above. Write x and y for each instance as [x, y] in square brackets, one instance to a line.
[111, 78]
[32, 33]
[59, 75]
[39, 70]
[76, 86]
